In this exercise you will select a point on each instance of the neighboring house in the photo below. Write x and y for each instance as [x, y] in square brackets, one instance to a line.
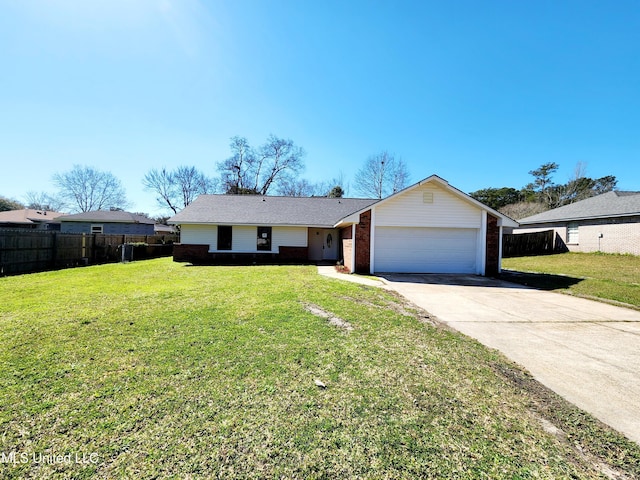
[429, 227]
[607, 223]
[31, 219]
[107, 222]
[162, 229]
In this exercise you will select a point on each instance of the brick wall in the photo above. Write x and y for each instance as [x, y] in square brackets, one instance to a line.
[199, 254]
[363, 243]
[294, 254]
[616, 238]
[190, 253]
[347, 247]
[492, 260]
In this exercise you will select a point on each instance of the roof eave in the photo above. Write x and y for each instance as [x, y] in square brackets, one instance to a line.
[255, 224]
[584, 217]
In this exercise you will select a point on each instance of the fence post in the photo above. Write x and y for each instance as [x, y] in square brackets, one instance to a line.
[54, 250]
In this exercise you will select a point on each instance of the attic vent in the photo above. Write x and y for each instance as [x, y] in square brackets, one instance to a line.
[427, 197]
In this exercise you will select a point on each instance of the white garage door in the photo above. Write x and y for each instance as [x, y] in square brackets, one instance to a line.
[425, 250]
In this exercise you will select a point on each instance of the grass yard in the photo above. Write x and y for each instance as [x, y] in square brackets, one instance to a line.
[155, 369]
[599, 275]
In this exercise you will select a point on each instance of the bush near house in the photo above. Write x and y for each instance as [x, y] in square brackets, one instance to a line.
[155, 369]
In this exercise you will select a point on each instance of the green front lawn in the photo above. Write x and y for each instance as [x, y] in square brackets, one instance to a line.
[599, 275]
[154, 369]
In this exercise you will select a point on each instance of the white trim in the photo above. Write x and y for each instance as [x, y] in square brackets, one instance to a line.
[372, 241]
[353, 248]
[255, 224]
[354, 218]
[482, 245]
[500, 250]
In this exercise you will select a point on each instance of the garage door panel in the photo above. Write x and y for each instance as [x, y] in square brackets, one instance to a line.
[425, 250]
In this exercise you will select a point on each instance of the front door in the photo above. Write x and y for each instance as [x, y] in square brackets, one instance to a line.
[323, 244]
[330, 247]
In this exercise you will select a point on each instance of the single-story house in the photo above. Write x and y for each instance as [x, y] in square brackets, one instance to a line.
[109, 222]
[429, 227]
[607, 223]
[31, 219]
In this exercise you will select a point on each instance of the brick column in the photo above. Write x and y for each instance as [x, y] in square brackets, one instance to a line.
[363, 243]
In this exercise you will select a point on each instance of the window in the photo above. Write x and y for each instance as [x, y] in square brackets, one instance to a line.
[96, 229]
[572, 232]
[224, 237]
[264, 238]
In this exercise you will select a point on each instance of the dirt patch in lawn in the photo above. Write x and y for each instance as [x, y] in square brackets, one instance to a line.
[331, 318]
[608, 451]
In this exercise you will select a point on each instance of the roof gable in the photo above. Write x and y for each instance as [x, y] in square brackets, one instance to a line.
[610, 204]
[441, 183]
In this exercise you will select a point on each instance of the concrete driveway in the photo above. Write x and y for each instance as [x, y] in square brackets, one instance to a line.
[586, 351]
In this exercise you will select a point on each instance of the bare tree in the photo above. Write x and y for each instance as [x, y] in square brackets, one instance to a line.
[297, 188]
[337, 187]
[177, 188]
[44, 201]
[521, 210]
[381, 176]
[85, 189]
[236, 172]
[274, 164]
[580, 187]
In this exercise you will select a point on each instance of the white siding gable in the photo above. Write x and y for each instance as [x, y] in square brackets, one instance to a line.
[428, 206]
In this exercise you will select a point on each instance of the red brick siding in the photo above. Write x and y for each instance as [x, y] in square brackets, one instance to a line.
[199, 254]
[363, 243]
[347, 247]
[300, 254]
[493, 246]
[190, 253]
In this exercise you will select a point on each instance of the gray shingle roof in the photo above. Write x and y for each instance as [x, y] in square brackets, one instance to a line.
[610, 204]
[107, 216]
[266, 210]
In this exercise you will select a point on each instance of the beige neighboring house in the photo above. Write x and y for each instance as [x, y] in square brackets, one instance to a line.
[608, 223]
[31, 219]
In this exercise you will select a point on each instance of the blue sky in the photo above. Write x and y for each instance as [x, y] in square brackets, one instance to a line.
[478, 92]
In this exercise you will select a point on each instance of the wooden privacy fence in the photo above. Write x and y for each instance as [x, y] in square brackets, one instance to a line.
[23, 251]
[537, 243]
